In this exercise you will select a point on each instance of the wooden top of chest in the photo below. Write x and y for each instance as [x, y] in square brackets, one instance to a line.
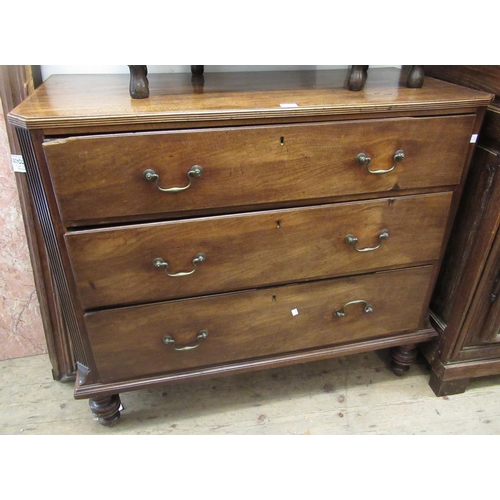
[88, 103]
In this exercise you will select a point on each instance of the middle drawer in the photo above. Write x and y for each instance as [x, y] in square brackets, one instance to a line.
[161, 261]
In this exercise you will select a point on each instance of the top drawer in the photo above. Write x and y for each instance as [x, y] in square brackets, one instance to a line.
[102, 177]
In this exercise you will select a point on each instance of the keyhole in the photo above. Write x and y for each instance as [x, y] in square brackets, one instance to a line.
[278, 224]
[282, 141]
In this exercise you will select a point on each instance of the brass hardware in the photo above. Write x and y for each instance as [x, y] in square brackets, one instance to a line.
[352, 240]
[340, 313]
[365, 160]
[198, 258]
[150, 175]
[168, 339]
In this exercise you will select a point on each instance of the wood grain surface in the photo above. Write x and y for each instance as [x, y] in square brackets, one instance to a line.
[104, 101]
[115, 266]
[127, 342]
[101, 177]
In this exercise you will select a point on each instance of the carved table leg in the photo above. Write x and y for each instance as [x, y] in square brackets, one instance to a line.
[403, 357]
[357, 77]
[416, 77]
[106, 409]
[139, 84]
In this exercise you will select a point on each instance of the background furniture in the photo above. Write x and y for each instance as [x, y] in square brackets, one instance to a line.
[466, 306]
[356, 78]
[254, 221]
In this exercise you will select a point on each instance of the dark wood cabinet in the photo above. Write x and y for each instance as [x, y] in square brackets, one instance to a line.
[254, 221]
[466, 305]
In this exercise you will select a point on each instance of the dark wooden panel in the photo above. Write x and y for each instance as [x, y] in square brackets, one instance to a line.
[490, 131]
[480, 77]
[484, 324]
[468, 345]
[470, 242]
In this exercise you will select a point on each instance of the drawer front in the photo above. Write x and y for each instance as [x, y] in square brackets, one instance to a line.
[116, 266]
[129, 342]
[101, 177]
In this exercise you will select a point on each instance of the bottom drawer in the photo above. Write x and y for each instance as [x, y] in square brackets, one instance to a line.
[131, 342]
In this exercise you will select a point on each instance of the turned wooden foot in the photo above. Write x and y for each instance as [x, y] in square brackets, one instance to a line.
[416, 77]
[357, 77]
[139, 84]
[106, 409]
[403, 357]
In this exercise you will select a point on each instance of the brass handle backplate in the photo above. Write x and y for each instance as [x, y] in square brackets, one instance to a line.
[340, 313]
[168, 339]
[151, 176]
[350, 239]
[198, 258]
[363, 159]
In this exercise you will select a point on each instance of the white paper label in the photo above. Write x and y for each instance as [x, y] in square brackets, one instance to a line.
[295, 312]
[473, 138]
[18, 164]
[289, 105]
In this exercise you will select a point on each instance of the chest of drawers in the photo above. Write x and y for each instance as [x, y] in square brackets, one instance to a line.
[249, 221]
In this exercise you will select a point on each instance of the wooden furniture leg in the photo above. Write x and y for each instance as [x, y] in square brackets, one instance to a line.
[357, 77]
[448, 387]
[403, 357]
[139, 84]
[106, 409]
[415, 77]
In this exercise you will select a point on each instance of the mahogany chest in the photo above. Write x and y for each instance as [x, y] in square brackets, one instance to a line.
[242, 221]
